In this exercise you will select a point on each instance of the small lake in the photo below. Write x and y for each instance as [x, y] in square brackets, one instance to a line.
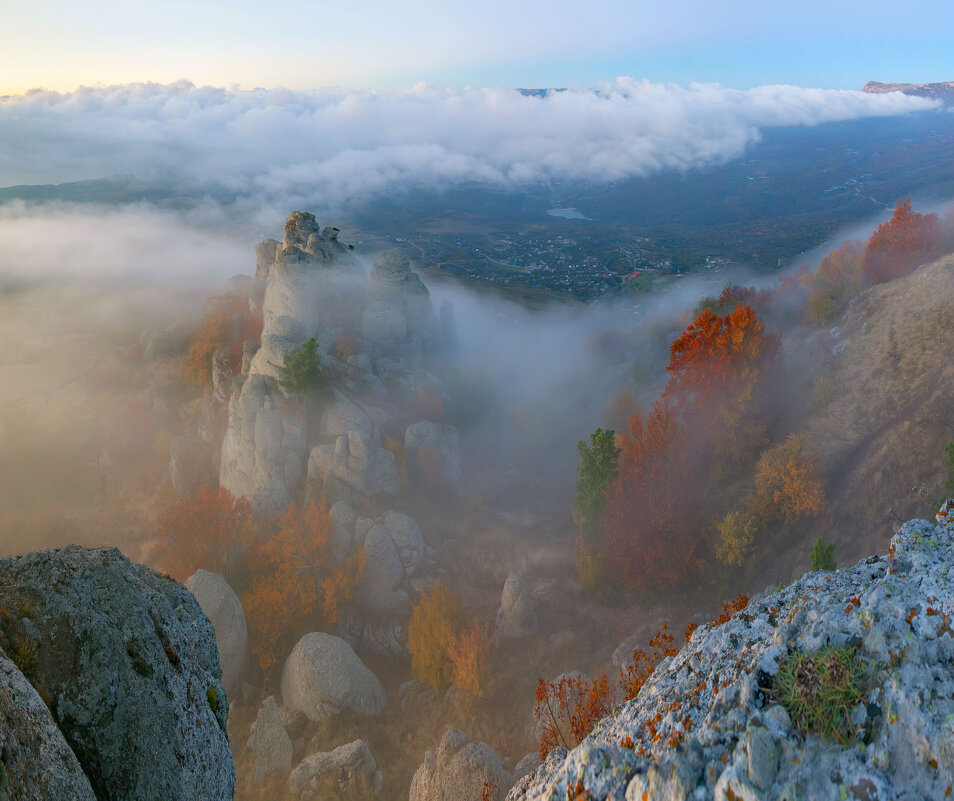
[567, 214]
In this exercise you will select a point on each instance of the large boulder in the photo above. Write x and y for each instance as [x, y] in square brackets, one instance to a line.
[460, 768]
[269, 741]
[721, 719]
[131, 669]
[349, 773]
[223, 608]
[36, 763]
[433, 453]
[516, 616]
[323, 676]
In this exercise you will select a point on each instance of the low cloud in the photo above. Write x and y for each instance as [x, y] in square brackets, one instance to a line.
[330, 150]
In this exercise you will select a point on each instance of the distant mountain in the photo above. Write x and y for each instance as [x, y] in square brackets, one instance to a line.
[936, 91]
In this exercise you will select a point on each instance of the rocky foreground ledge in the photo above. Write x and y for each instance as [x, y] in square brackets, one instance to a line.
[110, 685]
[725, 718]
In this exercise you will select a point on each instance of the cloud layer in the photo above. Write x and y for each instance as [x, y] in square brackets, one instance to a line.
[333, 149]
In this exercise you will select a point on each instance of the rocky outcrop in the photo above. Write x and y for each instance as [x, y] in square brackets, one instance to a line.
[348, 773]
[433, 453]
[460, 768]
[269, 742]
[398, 321]
[725, 717]
[323, 676]
[265, 447]
[353, 468]
[224, 610]
[516, 616]
[396, 560]
[36, 763]
[129, 664]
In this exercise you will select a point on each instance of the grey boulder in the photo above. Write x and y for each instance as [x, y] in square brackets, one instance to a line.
[223, 608]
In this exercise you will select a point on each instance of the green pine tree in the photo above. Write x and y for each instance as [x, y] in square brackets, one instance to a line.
[301, 373]
[823, 556]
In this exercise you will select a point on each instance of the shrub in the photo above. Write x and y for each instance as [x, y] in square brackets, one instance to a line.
[631, 680]
[220, 327]
[819, 690]
[568, 709]
[435, 621]
[823, 556]
[301, 372]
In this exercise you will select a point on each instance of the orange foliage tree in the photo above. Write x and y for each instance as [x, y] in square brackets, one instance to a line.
[469, 653]
[297, 574]
[902, 243]
[786, 487]
[204, 530]
[716, 370]
[227, 323]
[835, 282]
[433, 628]
[649, 519]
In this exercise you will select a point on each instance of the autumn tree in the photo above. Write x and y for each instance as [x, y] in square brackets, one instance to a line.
[297, 575]
[904, 242]
[717, 369]
[736, 541]
[834, 283]
[786, 486]
[222, 325]
[433, 628]
[203, 530]
[469, 653]
[597, 468]
[651, 518]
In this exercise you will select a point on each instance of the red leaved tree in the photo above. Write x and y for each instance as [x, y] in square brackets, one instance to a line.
[904, 242]
[650, 519]
[204, 530]
[717, 369]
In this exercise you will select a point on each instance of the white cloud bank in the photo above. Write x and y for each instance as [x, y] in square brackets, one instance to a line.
[332, 149]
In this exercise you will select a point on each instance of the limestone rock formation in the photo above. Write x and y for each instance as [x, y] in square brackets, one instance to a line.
[131, 668]
[323, 676]
[433, 453]
[460, 768]
[398, 321]
[265, 447]
[516, 616]
[720, 728]
[224, 610]
[36, 763]
[395, 557]
[348, 773]
[269, 741]
[353, 463]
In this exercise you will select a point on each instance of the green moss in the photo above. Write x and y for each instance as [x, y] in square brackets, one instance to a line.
[140, 665]
[820, 689]
[213, 699]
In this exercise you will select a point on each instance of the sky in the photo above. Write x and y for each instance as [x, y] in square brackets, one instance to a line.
[61, 44]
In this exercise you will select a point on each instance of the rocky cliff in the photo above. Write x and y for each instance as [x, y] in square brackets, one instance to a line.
[838, 686]
[111, 686]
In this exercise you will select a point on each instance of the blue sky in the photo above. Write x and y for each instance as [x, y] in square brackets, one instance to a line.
[360, 44]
